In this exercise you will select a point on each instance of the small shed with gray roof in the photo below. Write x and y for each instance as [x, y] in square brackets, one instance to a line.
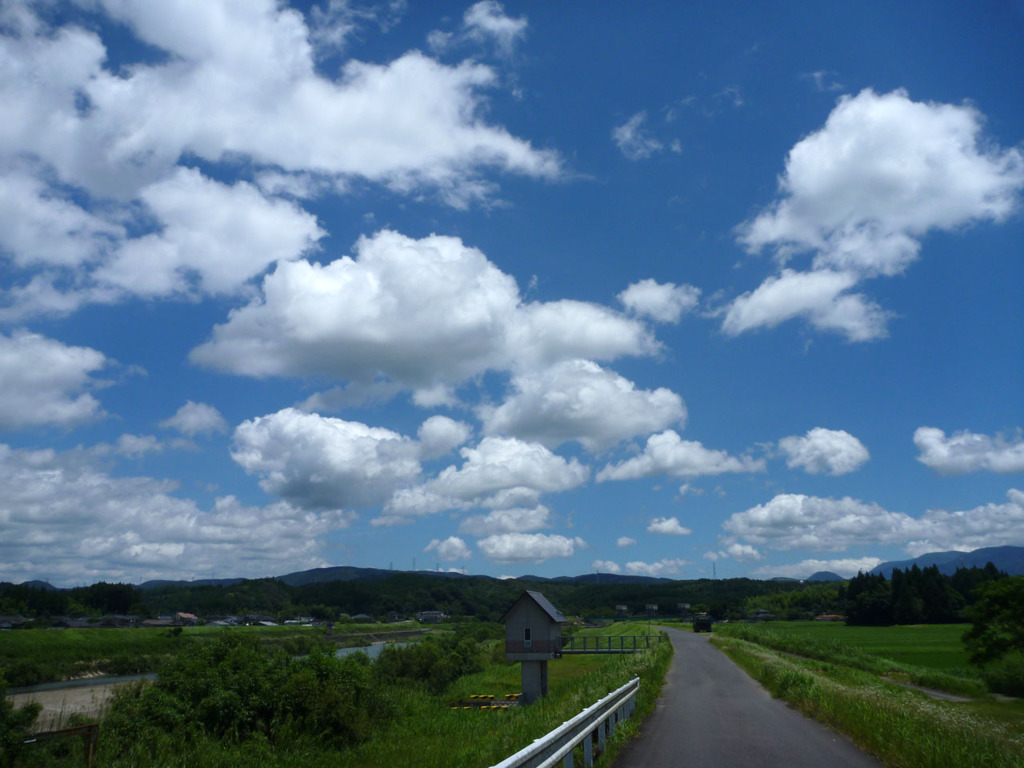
[533, 636]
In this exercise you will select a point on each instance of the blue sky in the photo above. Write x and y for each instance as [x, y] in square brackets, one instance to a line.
[508, 288]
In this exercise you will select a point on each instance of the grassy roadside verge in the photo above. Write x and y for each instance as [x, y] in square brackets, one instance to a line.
[852, 647]
[903, 728]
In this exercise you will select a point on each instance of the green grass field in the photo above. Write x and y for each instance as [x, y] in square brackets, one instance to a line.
[935, 646]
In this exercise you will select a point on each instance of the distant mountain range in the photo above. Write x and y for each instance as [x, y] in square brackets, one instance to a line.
[1007, 559]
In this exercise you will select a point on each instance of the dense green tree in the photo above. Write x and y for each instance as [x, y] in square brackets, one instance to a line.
[997, 620]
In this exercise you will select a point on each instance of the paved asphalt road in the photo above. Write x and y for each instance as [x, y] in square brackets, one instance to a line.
[711, 713]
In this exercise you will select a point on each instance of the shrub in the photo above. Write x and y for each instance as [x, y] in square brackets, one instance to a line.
[1006, 675]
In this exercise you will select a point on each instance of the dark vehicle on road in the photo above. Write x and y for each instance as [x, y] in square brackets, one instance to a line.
[701, 623]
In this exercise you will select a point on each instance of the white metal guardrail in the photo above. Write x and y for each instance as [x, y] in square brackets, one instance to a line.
[598, 720]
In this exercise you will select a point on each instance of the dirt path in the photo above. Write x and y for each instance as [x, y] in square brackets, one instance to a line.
[59, 704]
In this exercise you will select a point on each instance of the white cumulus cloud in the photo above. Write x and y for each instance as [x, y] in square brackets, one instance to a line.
[667, 525]
[579, 400]
[860, 194]
[425, 314]
[70, 520]
[515, 520]
[663, 302]
[668, 454]
[824, 451]
[196, 419]
[44, 382]
[324, 463]
[663, 568]
[451, 549]
[528, 547]
[497, 473]
[964, 452]
[796, 521]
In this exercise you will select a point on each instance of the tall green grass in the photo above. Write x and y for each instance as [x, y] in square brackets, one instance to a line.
[902, 727]
[922, 656]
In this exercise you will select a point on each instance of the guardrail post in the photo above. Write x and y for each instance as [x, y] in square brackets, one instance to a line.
[588, 750]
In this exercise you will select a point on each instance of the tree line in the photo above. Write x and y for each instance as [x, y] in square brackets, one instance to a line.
[402, 593]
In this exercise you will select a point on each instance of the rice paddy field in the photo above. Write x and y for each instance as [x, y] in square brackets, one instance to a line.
[935, 646]
[879, 686]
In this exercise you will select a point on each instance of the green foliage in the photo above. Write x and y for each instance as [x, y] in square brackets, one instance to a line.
[232, 690]
[437, 661]
[997, 620]
[1006, 674]
[15, 724]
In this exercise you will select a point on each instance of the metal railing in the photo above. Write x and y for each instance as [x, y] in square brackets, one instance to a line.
[597, 721]
[608, 643]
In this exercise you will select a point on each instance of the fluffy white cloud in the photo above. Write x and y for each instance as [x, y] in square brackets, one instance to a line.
[422, 312]
[667, 525]
[735, 551]
[72, 522]
[820, 296]
[324, 463]
[662, 569]
[451, 549]
[606, 566]
[515, 520]
[664, 302]
[440, 435]
[528, 547]
[635, 141]
[86, 146]
[965, 452]
[196, 419]
[42, 382]
[795, 521]
[668, 454]
[846, 567]
[625, 541]
[860, 193]
[213, 238]
[579, 400]
[824, 451]
[497, 473]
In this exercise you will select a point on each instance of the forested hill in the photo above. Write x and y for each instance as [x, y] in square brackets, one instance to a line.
[1009, 560]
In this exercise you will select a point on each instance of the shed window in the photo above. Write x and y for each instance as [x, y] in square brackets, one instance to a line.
[527, 639]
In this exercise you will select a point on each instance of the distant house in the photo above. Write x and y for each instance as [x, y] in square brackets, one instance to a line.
[119, 621]
[830, 617]
[394, 616]
[185, 619]
[252, 619]
[157, 623]
[363, 617]
[12, 622]
[429, 617]
[761, 615]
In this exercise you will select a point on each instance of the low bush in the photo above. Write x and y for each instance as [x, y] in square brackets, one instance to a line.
[1006, 675]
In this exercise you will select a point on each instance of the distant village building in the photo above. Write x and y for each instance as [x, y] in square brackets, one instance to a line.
[429, 617]
[185, 619]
